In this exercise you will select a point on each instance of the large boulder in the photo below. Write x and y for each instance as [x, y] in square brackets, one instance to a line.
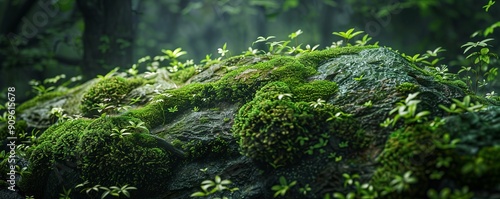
[311, 120]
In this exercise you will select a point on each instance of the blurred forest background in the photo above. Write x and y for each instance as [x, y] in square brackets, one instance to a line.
[40, 39]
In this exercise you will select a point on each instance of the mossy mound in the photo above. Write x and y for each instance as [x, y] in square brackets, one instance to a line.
[133, 160]
[88, 147]
[273, 128]
[107, 95]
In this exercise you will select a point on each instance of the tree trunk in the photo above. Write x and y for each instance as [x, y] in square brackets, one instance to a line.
[108, 35]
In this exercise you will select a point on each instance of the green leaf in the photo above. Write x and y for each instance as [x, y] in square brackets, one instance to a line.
[198, 194]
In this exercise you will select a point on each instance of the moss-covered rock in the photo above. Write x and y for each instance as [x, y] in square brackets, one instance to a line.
[311, 118]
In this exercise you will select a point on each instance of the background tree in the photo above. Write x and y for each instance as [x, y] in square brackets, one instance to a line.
[108, 35]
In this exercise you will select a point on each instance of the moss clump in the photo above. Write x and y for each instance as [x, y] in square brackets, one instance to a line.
[314, 90]
[269, 127]
[40, 98]
[57, 143]
[110, 92]
[134, 159]
[407, 87]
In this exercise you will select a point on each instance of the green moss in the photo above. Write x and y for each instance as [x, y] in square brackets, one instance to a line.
[186, 97]
[133, 159]
[315, 58]
[110, 91]
[407, 88]
[38, 99]
[136, 159]
[269, 128]
[314, 90]
[207, 149]
[183, 75]
[41, 163]
[409, 149]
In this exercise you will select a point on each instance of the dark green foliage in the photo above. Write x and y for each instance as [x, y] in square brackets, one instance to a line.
[108, 91]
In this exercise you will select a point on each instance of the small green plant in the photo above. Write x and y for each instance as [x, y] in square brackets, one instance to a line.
[481, 61]
[137, 126]
[344, 144]
[283, 187]
[222, 51]
[364, 41]
[133, 70]
[348, 35]
[406, 110]
[402, 183]
[120, 133]
[173, 109]
[109, 74]
[446, 193]
[368, 104]
[319, 102]
[196, 109]
[463, 106]
[304, 190]
[116, 191]
[65, 194]
[332, 155]
[359, 78]
[211, 187]
[338, 116]
[365, 190]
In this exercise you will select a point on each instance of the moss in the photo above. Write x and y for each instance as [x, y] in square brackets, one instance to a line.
[183, 75]
[314, 90]
[110, 91]
[407, 88]
[41, 163]
[132, 160]
[186, 97]
[409, 149]
[315, 58]
[207, 149]
[38, 99]
[135, 159]
[269, 128]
